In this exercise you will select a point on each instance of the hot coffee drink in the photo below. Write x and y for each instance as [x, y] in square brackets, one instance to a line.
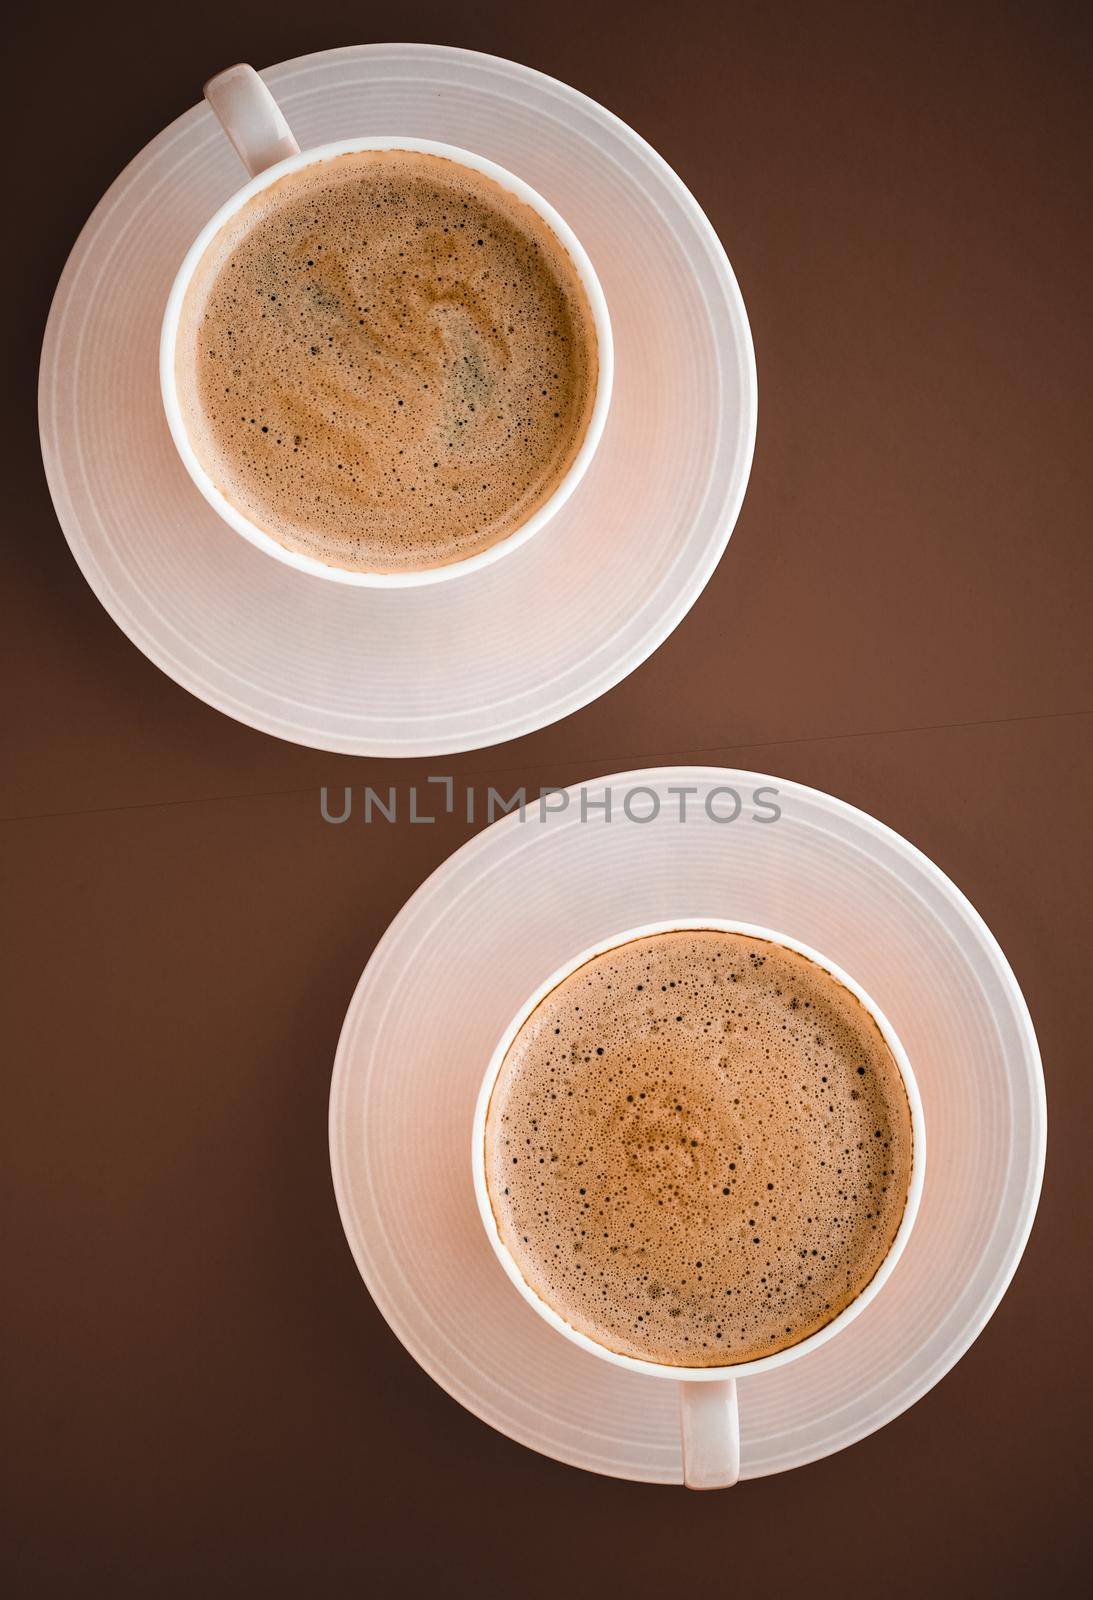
[386, 361]
[698, 1148]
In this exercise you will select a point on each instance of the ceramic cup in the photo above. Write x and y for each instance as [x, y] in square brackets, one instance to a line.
[709, 1410]
[254, 123]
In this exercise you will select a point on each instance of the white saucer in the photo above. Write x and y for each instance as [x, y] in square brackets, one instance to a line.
[510, 907]
[489, 655]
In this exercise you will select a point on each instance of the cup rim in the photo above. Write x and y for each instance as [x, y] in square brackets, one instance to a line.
[426, 575]
[737, 1369]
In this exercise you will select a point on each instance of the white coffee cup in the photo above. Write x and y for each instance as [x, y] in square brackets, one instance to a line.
[709, 1414]
[256, 127]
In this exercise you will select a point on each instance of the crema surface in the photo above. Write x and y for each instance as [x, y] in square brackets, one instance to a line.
[698, 1149]
[386, 361]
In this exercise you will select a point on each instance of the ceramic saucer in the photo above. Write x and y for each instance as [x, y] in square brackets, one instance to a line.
[513, 905]
[489, 655]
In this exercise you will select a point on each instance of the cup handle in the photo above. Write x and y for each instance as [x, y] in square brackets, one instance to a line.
[709, 1425]
[251, 118]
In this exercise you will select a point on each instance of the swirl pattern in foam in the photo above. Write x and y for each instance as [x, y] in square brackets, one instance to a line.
[698, 1148]
[386, 361]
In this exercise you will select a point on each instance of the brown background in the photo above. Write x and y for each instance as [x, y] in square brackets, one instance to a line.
[201, 1397]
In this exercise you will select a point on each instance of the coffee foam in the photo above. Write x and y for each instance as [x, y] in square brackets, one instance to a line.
[698, 1148]
[386, 361]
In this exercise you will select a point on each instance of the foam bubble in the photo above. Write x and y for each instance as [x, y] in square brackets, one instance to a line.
[698, 1148]
[386, 361]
